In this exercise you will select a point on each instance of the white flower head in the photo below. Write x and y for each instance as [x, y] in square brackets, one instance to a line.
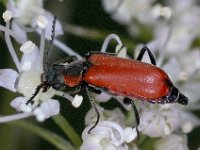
[173, 141]
[7, 15]
[106, 135]
[159, 120]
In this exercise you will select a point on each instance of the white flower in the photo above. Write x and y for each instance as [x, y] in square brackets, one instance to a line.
[27, 13]
[126, 10]
[26, 79]
[162, 120]
[25, 10]
[159, 120]
[172, 142]
[184, 68]
[106, 135]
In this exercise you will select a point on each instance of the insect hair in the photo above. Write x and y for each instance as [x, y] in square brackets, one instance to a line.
[50, 47]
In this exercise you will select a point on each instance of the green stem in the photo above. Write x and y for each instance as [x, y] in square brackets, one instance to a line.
[49, 136]
[68, 130]
[94, 34]
[146, 143]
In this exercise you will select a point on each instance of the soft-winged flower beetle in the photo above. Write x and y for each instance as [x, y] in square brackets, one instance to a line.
[103, 72]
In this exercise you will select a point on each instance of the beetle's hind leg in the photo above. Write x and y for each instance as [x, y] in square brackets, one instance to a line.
[95, 108]
[141, 54]
[137, 117]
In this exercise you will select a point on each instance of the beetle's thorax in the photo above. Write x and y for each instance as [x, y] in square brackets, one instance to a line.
[74, 72]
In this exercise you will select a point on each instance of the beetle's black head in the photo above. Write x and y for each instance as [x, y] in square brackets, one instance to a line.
[54, 76]
[176, 97]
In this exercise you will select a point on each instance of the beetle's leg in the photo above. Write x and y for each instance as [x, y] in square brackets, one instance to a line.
[141, 54]
[137, 117]
[96, 110]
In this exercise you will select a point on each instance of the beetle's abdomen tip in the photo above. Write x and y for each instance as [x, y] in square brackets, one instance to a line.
[183, 100]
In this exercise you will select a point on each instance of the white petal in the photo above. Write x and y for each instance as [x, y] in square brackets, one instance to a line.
[173, 141]
[17, 102]
[91, 143]
[40, 116]
[26, 66]
[33, 58]
[19, 32]
[103, 97]
[8, 78]
[173, 69]
[50, 108]
[188, 121]
[11, 6]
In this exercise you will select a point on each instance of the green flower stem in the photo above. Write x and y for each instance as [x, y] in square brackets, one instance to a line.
[146, 143]
[93, 34]
[68, 130]
[49, 136]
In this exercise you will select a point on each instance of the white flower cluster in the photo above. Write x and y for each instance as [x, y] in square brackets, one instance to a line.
[27, 77]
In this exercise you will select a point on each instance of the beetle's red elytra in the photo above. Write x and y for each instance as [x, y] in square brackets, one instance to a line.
[128, 78]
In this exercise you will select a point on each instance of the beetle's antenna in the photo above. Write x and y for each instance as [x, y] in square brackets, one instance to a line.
[37, 90]
[50, 47]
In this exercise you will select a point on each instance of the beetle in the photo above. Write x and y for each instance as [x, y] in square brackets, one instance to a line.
[105, 72]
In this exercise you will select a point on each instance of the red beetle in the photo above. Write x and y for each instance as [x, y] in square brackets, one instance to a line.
[102, 72]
